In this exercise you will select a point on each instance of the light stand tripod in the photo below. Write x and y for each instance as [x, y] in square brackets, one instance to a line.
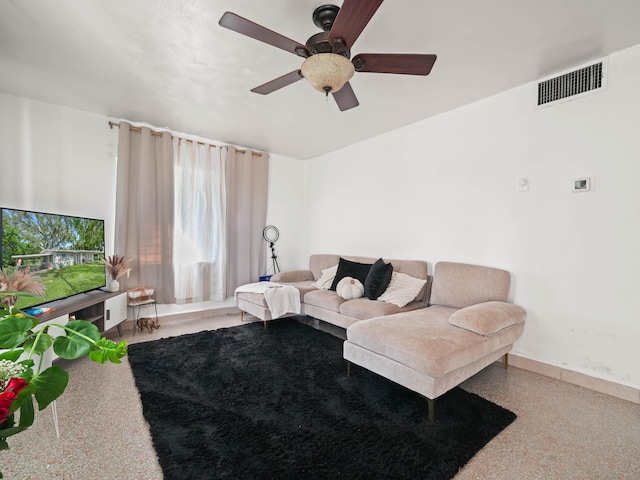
[274, 258]
[271, 235]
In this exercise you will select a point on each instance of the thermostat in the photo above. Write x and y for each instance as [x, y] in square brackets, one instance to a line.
[581, 184]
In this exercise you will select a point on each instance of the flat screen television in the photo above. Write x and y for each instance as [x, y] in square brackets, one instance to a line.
[62, 251]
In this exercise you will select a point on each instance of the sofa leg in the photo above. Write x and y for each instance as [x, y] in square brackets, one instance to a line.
[506, 360]
[241, 315]
[431, 402]
[265, 324]
[348, 368]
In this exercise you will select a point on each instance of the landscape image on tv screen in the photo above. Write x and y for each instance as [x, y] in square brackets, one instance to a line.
[63, 252]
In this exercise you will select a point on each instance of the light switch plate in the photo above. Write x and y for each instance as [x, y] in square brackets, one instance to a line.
[582, 184]
[523, 184]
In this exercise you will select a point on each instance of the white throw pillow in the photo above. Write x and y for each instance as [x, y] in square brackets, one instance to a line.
[326, 278]
[349, 288]
[402, 289]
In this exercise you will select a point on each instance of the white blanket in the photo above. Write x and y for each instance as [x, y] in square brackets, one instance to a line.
[281, 299]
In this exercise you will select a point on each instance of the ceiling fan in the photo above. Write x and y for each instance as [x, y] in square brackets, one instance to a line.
[327, 54]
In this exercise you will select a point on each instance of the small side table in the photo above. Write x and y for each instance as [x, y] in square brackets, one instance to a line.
[141, 298]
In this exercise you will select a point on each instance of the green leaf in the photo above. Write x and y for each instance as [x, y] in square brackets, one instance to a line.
[7, 430]
[8, 423]
[27, 413]
[79, 341]
[12, 355]
[108, 350]
[43, 343]
[51, 384]
[14, 330]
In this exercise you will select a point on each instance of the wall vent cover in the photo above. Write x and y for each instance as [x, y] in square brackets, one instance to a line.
[576, 83]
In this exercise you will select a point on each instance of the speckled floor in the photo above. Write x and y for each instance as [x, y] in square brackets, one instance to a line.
[562, 431]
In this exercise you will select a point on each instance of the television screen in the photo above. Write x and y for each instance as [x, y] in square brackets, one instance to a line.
[63, 252]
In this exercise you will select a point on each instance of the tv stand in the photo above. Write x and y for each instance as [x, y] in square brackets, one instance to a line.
[104, 309]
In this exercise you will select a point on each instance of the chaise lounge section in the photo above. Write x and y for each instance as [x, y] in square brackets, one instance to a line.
[468, 325]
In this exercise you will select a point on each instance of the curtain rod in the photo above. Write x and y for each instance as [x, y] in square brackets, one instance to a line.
[159, 134]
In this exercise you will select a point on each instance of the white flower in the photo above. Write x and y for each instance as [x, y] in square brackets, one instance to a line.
[9, 370]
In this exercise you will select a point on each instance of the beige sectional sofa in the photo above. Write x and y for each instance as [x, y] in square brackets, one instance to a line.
[326, 305]
[459, 323]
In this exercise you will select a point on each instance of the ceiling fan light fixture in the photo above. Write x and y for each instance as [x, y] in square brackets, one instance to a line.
[327, 72]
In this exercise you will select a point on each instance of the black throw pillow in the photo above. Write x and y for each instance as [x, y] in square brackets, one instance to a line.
[378, 279]
[347, 268]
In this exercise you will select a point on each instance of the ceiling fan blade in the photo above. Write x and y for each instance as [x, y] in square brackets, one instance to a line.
[278, 83]
[351, 20]
[402, 63]
[345, 98]
[250, 29]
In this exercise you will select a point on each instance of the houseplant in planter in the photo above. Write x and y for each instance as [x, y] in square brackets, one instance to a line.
[117, 266]
[22, 349]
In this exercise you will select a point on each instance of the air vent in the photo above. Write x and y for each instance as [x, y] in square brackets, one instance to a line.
[573, 84]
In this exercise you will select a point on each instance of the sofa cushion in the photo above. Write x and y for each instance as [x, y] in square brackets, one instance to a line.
[292, 276]
[258, 298]
[321, 261]
[251, 297]
[488, 318]
[303, 288]
[378, 279]
[347, 268]
[461, 285]
[326, 278]
[324, 299]
[363, 308]
[425, 340]
[402, 289]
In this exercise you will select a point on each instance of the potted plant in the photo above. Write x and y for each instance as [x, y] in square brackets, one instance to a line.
[117, 266]
[22, 378]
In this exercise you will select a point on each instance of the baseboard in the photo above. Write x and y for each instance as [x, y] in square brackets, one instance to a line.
[200, 314]
[187, 316]
[582, 380]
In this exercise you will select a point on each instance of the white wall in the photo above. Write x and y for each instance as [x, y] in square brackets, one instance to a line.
[286, 211]
[57, 160]
[446, 189]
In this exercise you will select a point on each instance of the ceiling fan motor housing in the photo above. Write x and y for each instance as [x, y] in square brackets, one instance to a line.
[319, 43]
[324, 16]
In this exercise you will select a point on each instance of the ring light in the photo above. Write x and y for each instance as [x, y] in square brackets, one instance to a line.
[270, 233]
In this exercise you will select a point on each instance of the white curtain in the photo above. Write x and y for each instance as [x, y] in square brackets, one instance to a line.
[199, 252]
[247, 180]
[144, 209]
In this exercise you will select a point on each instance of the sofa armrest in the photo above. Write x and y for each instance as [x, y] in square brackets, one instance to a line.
[292, 276]
[488, 318]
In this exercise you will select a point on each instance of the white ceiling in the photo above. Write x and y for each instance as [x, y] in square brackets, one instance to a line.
[168, 63]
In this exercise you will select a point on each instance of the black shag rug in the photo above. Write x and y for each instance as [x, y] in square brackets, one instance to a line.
[245, 403]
